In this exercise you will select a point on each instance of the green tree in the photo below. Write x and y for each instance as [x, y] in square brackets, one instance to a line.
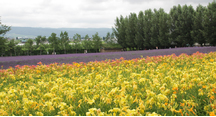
[139, 36]
[108, 38]
[131, 30]
[4, 29]
[198, 28]
[77, 40]
[154, 29]
[38, 40]
[147, 28]
[187, 25]
[3, 42]
[97, 42]
[64, 40]
[12, 47]
[163, 27]
[120, 31]
[175, 14]
[29, 46]
[112, 36]
[209, 23]
[181, 25]
[40, 43]
[18, 50]
[3, 46]
[87, 43]
[53, 40]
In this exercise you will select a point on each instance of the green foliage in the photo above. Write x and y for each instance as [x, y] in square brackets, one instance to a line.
[119, 31]
[147, 28]
[3, 45]
[139, 36]
[110, 39]
[183, 26]
[97, 42]
[187, 23]
[64, 41]
[53, 40]
[40, 43]
[176, 29]
[77, 40]
[12, 46]
[163, 27]
[3, 42]
[87, 43]
[154, 29]
[4, 29]
[29, 46]
[198, 28]
[131, 30]
[209, 23]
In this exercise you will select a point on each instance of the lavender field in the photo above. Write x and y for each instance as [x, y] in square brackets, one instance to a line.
[6, 62]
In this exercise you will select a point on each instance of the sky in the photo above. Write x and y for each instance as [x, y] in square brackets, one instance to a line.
[79, 13]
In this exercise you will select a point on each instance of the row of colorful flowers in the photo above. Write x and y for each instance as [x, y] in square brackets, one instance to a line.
[159, 85]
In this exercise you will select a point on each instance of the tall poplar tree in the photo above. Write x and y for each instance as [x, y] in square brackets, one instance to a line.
[97, 42]
[210, 23]
[64, 40]
[139, 37]
[29, 46]
[12, 46]
[77, 40]
[155, 29]
[131, 30]
[120, 31]
[147, 28]
[3, 42]
[175, 25]
[53, 40]
[198, 28]
[3, 45]
[40, 43]
[164, 28]
[186, 24]
[87, 43]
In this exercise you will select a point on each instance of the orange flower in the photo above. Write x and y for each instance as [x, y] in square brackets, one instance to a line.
[39, 63]
[212, 97]
[182, 104]
[78, 106]
[212, 114]
[211, 60]
[180, 111]
[174, 92]
[214, 90]
[191, 110]
[166, 103]
[204, 87]
[175, 88]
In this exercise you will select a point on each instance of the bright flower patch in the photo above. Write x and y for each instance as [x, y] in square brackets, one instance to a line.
[159, 85]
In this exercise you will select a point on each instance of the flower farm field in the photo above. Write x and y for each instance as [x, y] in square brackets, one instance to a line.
[175, 84]
[6, 62]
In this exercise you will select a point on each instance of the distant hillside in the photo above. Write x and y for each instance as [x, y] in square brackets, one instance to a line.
[33, 32]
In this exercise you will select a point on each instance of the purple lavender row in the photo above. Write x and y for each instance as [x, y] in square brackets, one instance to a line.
[6, 62]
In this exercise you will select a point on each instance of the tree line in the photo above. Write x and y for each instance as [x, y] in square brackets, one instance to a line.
[182, 26]
[50, 45]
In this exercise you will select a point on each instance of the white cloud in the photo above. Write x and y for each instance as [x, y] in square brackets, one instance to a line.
[78, 13]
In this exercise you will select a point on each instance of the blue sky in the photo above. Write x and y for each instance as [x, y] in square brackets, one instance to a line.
[79, 13]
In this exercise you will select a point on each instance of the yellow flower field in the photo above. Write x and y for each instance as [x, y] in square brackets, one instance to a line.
[159, 85]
